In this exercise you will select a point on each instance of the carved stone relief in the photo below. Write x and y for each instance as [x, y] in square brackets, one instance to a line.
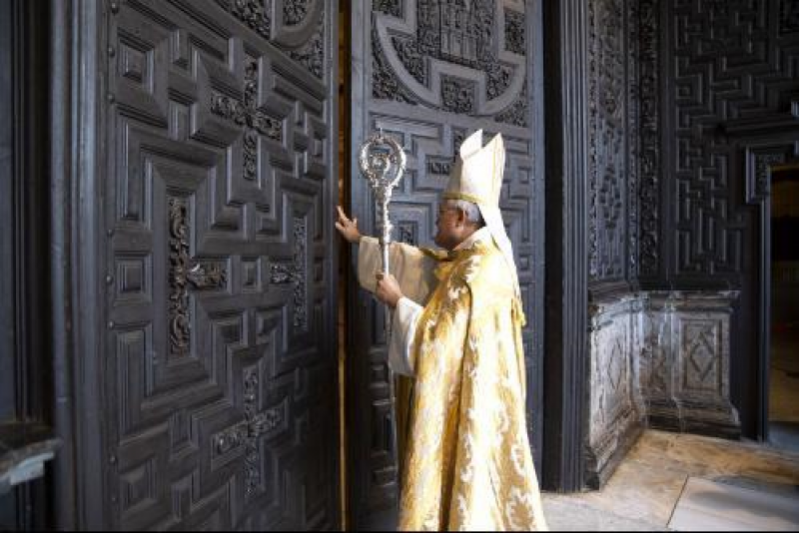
[312, 53]
[294, 12]
[179, 262]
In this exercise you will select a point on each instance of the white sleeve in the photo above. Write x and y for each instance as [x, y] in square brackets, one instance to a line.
[413, 270]
[404, 326]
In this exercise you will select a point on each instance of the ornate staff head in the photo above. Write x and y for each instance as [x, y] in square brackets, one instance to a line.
[382, 161]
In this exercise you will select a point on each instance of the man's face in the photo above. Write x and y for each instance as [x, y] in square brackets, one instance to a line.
[449, 226]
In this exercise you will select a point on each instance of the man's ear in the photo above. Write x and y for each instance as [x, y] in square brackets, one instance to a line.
[461, 218]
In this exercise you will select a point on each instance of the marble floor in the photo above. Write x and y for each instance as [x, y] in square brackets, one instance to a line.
[644, 492]
[710, 505]
[654, 489]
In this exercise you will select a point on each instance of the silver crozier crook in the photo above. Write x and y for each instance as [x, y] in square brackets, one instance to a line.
[383, 161]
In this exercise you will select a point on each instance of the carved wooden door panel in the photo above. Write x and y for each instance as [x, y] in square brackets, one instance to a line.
[429, 72]
[219, 377]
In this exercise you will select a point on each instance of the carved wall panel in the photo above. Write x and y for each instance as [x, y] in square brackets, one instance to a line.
[624, 142]
[649, 147]
[219, 379]
[611, 172]
[420, 46]
[731, 77]
[729, 61]
[429, 73]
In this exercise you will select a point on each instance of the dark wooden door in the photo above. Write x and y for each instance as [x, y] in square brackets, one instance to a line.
[216, 157]
[430, 72]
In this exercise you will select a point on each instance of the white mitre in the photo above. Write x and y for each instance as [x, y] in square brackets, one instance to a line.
[477, 177]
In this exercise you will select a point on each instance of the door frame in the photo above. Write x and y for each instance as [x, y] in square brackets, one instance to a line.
[77, 66]
[566, 244]
[771, 136]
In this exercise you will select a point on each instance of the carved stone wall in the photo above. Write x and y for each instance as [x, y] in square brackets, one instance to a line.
[657, 360]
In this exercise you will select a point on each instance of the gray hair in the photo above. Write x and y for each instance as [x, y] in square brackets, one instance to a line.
[470, 210]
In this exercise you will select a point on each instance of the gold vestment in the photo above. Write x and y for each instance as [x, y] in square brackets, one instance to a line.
[465, 457]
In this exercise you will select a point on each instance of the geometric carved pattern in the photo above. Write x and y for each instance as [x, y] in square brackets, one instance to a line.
[434, 72]
[417, 43]
[616, 365]
[256, 122]
[729, 62]
[731, 77]
[654, 371]
[219, 381]
[295, 26]
[614, 413]
[611, 384]
[788, 17]
[246, 433]
[700, 353]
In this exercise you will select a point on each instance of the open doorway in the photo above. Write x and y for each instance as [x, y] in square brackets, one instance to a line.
[784, 349]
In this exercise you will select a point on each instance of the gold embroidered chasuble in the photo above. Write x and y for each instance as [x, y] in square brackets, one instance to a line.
[465, 457]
